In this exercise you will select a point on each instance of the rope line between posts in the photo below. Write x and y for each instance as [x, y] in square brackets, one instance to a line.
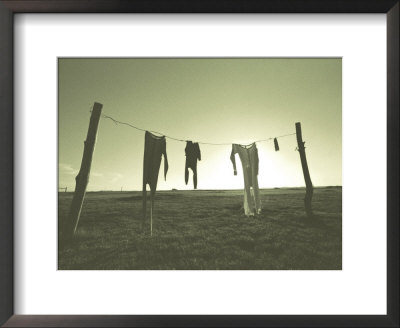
[184, 140]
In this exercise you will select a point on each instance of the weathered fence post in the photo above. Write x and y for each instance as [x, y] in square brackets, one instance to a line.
[307, 179]
[82, 178]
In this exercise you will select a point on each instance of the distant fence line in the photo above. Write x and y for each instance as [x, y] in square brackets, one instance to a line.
[64, 188]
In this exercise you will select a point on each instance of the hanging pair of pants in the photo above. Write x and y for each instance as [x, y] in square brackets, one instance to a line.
[249, 158]
[154, 148]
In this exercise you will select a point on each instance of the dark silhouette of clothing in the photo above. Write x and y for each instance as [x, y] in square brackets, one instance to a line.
[192, 152]
[154, 148]
[249, 157]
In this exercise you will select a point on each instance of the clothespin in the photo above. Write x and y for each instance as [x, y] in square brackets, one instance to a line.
[276, 144]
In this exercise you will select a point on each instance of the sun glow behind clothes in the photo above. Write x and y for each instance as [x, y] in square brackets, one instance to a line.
[215, 170]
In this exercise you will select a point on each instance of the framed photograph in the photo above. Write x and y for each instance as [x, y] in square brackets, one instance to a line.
[191, 164]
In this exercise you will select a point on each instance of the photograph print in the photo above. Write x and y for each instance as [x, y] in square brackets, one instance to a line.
[199, 164]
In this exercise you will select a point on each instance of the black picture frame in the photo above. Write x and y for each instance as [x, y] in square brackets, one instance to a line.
[10, 7]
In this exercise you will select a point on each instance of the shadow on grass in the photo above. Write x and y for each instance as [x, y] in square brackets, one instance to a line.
[314, 221]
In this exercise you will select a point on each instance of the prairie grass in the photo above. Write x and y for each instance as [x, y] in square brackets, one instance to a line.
[204, 230]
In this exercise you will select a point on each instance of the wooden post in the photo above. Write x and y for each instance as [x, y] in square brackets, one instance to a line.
[307, 179]
[82, 178]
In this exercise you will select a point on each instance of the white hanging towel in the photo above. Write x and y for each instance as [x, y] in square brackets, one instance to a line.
[249, 157]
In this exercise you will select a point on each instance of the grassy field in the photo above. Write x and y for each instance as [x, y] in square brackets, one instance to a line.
[205, 230]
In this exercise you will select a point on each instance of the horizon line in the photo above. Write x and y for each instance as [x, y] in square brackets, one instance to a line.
[174, 189]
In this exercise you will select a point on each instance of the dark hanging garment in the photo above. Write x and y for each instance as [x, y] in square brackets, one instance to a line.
[192, 152]
[154, 148]
[276, 144]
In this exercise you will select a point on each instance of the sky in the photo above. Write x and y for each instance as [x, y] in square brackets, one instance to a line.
[216, 100]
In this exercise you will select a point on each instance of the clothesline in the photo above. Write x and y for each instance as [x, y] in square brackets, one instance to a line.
[183, 140]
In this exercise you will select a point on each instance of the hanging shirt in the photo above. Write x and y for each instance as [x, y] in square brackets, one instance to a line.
[249, 157]
[154, 148]
[192, 152]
